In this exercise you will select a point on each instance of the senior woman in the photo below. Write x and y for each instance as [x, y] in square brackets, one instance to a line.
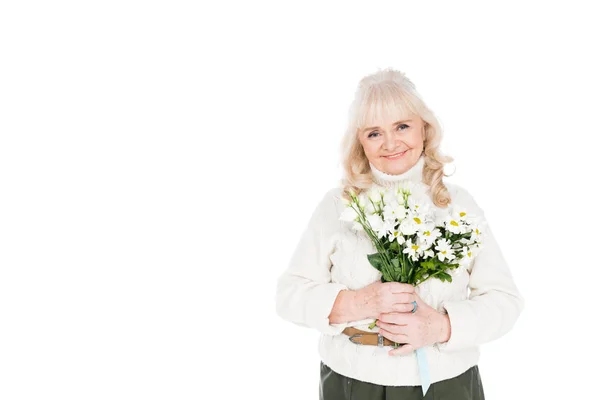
[329, 285]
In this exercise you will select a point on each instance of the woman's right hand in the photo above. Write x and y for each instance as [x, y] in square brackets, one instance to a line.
[384, 297]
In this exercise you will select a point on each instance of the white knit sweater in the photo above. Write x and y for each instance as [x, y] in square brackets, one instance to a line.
[482, 300]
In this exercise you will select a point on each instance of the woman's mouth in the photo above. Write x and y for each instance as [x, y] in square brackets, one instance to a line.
[396, 156]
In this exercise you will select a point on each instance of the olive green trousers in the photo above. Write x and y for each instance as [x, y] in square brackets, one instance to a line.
[333, 386]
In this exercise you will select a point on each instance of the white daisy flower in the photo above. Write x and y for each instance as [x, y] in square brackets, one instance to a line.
[418, 205]
[477, 234]
[414, 250]
[418, 219]
[454, 224]
[408, 227]
[467, 255]
[394, 211]
[444, 248]
[429, 233]
[388, 226]
[460, 212]
[395, 235]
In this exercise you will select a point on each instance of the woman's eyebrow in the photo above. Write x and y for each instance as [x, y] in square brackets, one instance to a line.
[397, 122]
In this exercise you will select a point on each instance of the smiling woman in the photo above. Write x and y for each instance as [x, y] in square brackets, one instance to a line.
[387, 117]
[392, 142]
[396, 146]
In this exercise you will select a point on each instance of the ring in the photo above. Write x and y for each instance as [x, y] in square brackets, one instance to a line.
[415, 307]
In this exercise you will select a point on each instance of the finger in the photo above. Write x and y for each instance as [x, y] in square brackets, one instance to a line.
[403, 307]
[401, 351]
[393, 337]
[397, 287]
[397, 318]
[390, 318]
[421, 305]
[393, 328]
[404, 297]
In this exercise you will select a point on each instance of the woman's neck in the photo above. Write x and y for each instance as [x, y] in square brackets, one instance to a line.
[414, 174]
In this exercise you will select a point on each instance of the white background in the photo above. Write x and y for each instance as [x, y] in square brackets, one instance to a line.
[159, 161]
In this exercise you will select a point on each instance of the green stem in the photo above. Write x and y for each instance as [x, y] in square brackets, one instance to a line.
[373, 324]
[373, 236]
[434, 274]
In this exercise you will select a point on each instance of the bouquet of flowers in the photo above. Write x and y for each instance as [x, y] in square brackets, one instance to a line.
[412, 246]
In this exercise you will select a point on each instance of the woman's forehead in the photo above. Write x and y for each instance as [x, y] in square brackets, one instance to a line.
[385, 117]
[384, 110]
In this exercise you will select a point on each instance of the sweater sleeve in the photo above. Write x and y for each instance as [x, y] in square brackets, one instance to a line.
[305, 294]
[494, 302]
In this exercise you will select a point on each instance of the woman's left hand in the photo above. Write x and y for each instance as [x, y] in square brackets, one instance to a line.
[423, 328]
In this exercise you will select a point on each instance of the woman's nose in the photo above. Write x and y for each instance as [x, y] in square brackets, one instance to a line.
[389, 141]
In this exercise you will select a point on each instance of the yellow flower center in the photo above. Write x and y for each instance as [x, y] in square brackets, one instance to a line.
[462, 214]
[415, 247]
[427, 233]
[469, 253]
[417, 220]
[453, 223]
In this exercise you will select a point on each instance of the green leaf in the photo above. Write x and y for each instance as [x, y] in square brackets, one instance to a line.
[428, 265]
[376, 261]
[444, 277]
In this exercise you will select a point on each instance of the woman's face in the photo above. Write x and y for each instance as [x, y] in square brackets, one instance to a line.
[389, 139]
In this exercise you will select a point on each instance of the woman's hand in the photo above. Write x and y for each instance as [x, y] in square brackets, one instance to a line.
[384, 297]
[423, 328]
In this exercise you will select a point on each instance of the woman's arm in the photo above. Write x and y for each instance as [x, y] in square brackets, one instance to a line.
[376, 298]
[305, 294]
[494, 303]
[343, 308]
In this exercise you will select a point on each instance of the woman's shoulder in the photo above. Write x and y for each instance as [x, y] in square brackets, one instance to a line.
[333, 197]
[330, 202]
[461, 196]
[333, 204]
[335, 193]
[326, 214]
[455, 189]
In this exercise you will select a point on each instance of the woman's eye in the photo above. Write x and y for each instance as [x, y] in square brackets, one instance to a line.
[372, 134]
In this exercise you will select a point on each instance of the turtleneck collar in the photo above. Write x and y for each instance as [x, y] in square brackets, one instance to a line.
[414, 174]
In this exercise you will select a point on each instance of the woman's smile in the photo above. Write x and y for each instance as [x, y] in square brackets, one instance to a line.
[396, 156]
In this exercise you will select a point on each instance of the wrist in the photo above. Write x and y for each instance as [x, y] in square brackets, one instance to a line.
[343, 308]
[361, 307]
